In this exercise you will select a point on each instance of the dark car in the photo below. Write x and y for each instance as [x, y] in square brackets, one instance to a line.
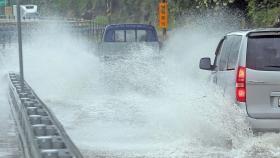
[121, 39]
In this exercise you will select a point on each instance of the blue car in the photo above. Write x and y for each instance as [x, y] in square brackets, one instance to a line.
[122, 39]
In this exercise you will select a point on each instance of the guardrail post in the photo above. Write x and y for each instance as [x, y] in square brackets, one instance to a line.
[41, 133]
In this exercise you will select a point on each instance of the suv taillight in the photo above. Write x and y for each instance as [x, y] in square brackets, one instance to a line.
[241, 84]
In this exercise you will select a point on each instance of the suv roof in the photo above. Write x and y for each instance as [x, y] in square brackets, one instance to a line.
[259, 30]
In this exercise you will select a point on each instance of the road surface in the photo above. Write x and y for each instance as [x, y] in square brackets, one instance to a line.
[9, 143]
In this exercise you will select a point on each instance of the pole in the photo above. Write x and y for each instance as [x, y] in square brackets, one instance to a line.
[164, 30]
[20, 44]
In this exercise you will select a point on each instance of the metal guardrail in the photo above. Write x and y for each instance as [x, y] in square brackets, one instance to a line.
[41, 134]
[86, 29]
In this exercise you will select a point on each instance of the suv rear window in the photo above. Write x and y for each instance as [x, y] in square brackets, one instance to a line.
[263, 53]
[130, 35]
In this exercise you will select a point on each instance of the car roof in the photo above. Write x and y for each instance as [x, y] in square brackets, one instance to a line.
[245, 32]
[130, 26]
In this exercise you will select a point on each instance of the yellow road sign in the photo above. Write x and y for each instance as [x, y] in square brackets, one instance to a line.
[163, 15]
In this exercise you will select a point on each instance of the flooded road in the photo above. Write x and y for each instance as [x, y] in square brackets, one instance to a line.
[137, 107]
[9, 143]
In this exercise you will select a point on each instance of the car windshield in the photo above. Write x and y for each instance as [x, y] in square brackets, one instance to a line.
[29, 7]
[264, 53]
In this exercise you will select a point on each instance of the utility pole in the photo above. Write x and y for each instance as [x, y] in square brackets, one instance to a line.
[20, 44]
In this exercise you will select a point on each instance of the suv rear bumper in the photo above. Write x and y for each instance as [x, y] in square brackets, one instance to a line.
[264, 125]
[261, 125]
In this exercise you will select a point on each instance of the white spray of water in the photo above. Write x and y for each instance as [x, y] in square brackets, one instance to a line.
[138, 107]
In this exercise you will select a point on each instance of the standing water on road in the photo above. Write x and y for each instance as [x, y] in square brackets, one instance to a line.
[9, 143]
[137, 107]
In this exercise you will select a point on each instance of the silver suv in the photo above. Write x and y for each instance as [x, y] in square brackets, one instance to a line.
[247, 68]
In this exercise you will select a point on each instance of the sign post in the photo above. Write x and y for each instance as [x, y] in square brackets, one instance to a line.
[163, 17]
[20, 44]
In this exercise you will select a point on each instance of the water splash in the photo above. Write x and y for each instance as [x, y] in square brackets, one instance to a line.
[136, 106]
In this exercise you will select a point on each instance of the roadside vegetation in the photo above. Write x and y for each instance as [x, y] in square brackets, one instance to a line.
[256, 13]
